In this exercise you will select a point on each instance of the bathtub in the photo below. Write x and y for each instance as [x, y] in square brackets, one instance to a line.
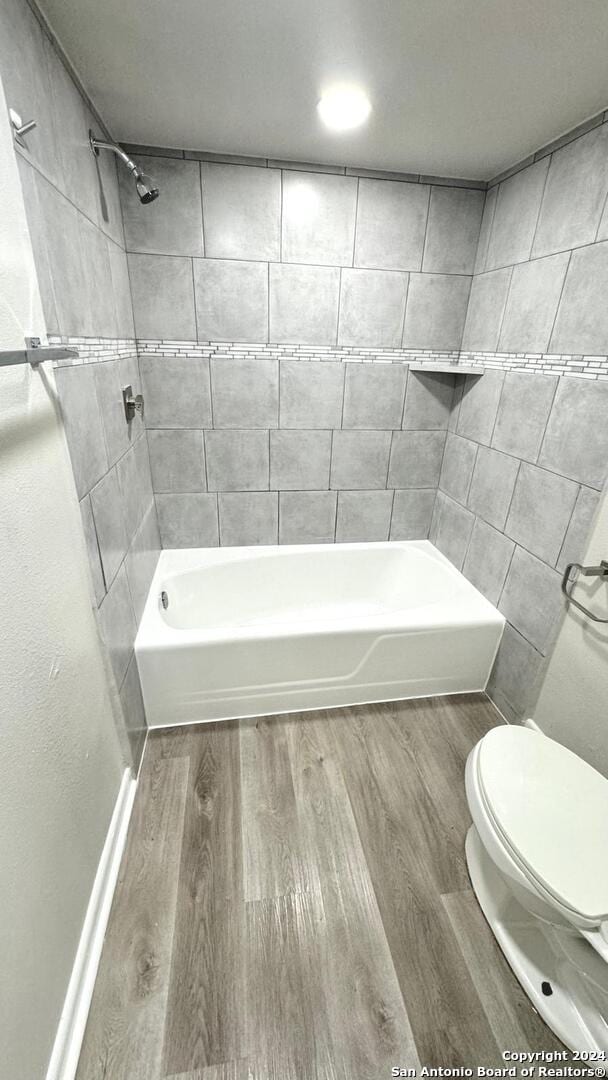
[230, 632]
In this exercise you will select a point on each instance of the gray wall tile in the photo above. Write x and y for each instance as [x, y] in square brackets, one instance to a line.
[304, 304]
[245, 392]
[121, 287]
[117, 623]
[436, 311]
[118, 433]
[141, 560]
[485, 312]
[98, 313]
[454, 531]
[133, 711]
[523, 411]
[72, 123]
[307, 517]
[532, 303]
[576, 439]
[176, 391]
[31, 181]
[457, 468]
[485, 231]
[133, 472]
[360, 459]
[581, 325]
[83, 425]
[453, 230]
[177, 460]
[391, 222]
[479, 405]
[241, 211]
[516, 214]
[579, 529]
[318, 223]
[531, 599]
[237, 460]
[248, 517]
[574, 194]
[106, 504]
[311, 393]
[373, 395]
[515, 673]
[90, 535]
[372, 307]
[231, 300]
[416, 459]
[163, 297]
[488, 560]
[540, 511]
[428, 400]
[65, 258]
[173, 224]
[492, 485]
[412, 512]
[300, 460]
[363, 516]
[187, 520]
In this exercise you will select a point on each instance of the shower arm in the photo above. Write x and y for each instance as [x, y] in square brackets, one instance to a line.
[99, 144]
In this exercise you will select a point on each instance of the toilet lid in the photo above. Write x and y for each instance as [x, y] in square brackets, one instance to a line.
[552, 810]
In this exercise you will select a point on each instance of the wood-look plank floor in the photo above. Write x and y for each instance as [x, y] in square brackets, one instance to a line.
[294, 904]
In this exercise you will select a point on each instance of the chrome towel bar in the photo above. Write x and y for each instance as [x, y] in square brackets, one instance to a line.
[585, 571]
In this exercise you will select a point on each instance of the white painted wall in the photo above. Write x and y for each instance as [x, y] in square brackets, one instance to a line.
[60, 761]
[573, 703]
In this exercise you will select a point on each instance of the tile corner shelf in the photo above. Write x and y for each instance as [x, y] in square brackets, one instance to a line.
[448, 369]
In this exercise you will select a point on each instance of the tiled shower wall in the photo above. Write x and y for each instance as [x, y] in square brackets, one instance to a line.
[75, 220]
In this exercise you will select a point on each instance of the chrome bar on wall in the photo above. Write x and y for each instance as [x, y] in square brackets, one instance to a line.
[34, 354]
[585, 571]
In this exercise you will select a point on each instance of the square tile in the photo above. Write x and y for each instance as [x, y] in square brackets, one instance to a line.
[416, 458]
[579, 530]
[187, 520]
[576, 439]
[360, 459]
[373, 395]
[479, 405]
[581, 325]
[372, 307]
[173, 224]
[436, 311]
[133, 711]
[531, 600]
[61, 230]
[163, 297]
[488, 560]
[304, 304]
[241, 211]
[457, 467]
[248, 517]
[307, 517]
[117, 623]
[574, 194]
[231, 300]
[318, 224]
[391, 221]
[109, 385]
[83, 426]
[492, 486]
[133, 472]
[98, 313]
[485, 312]
[517, 209]
[363, 516]
[106, 504]
[412, 512]
[532, 302]
[177, 460]
[453, 230]
[300, 460]
[540, 511]
[38, 230]
[523, 411]
[121, 288]
[428, 400]
[487, 220]
[311, 393]
[237, 460]
[516, 672]
[141, 560]
[245, 392]
[454, 531]
[92, 544]
[176, 391]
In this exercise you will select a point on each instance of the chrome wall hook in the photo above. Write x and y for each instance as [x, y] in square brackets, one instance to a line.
[20, 128]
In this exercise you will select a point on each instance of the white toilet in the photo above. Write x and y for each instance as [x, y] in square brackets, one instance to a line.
[537, 854]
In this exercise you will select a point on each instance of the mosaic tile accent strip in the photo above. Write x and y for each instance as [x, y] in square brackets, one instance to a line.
[93, 350]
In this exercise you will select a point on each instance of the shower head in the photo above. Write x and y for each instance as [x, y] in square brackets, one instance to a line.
[146, 188]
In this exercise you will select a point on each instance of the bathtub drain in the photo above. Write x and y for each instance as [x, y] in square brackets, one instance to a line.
[164, 599]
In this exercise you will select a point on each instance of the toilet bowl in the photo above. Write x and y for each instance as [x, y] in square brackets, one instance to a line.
[537, 855]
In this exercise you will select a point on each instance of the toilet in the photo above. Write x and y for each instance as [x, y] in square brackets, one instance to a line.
[537, 855]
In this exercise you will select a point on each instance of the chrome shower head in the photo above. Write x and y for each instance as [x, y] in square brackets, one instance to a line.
[146, 188]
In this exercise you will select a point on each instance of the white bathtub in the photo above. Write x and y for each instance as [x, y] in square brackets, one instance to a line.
[256, 630]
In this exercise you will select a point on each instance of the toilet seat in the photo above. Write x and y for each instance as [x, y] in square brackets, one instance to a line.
[550, 810]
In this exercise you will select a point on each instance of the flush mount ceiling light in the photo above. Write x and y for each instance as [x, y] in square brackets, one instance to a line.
[342, 108]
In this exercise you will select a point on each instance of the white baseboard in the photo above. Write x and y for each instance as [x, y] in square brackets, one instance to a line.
[533, 725]
[70, 1033]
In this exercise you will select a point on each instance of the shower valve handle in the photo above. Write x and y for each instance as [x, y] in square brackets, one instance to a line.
[132, 403]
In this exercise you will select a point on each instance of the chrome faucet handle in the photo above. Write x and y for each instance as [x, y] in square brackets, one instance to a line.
[132, 403]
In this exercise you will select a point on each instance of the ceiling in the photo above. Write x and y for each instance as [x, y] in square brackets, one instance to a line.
[458, 87]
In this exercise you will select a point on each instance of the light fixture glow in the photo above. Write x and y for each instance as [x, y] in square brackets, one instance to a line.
[342, 108]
